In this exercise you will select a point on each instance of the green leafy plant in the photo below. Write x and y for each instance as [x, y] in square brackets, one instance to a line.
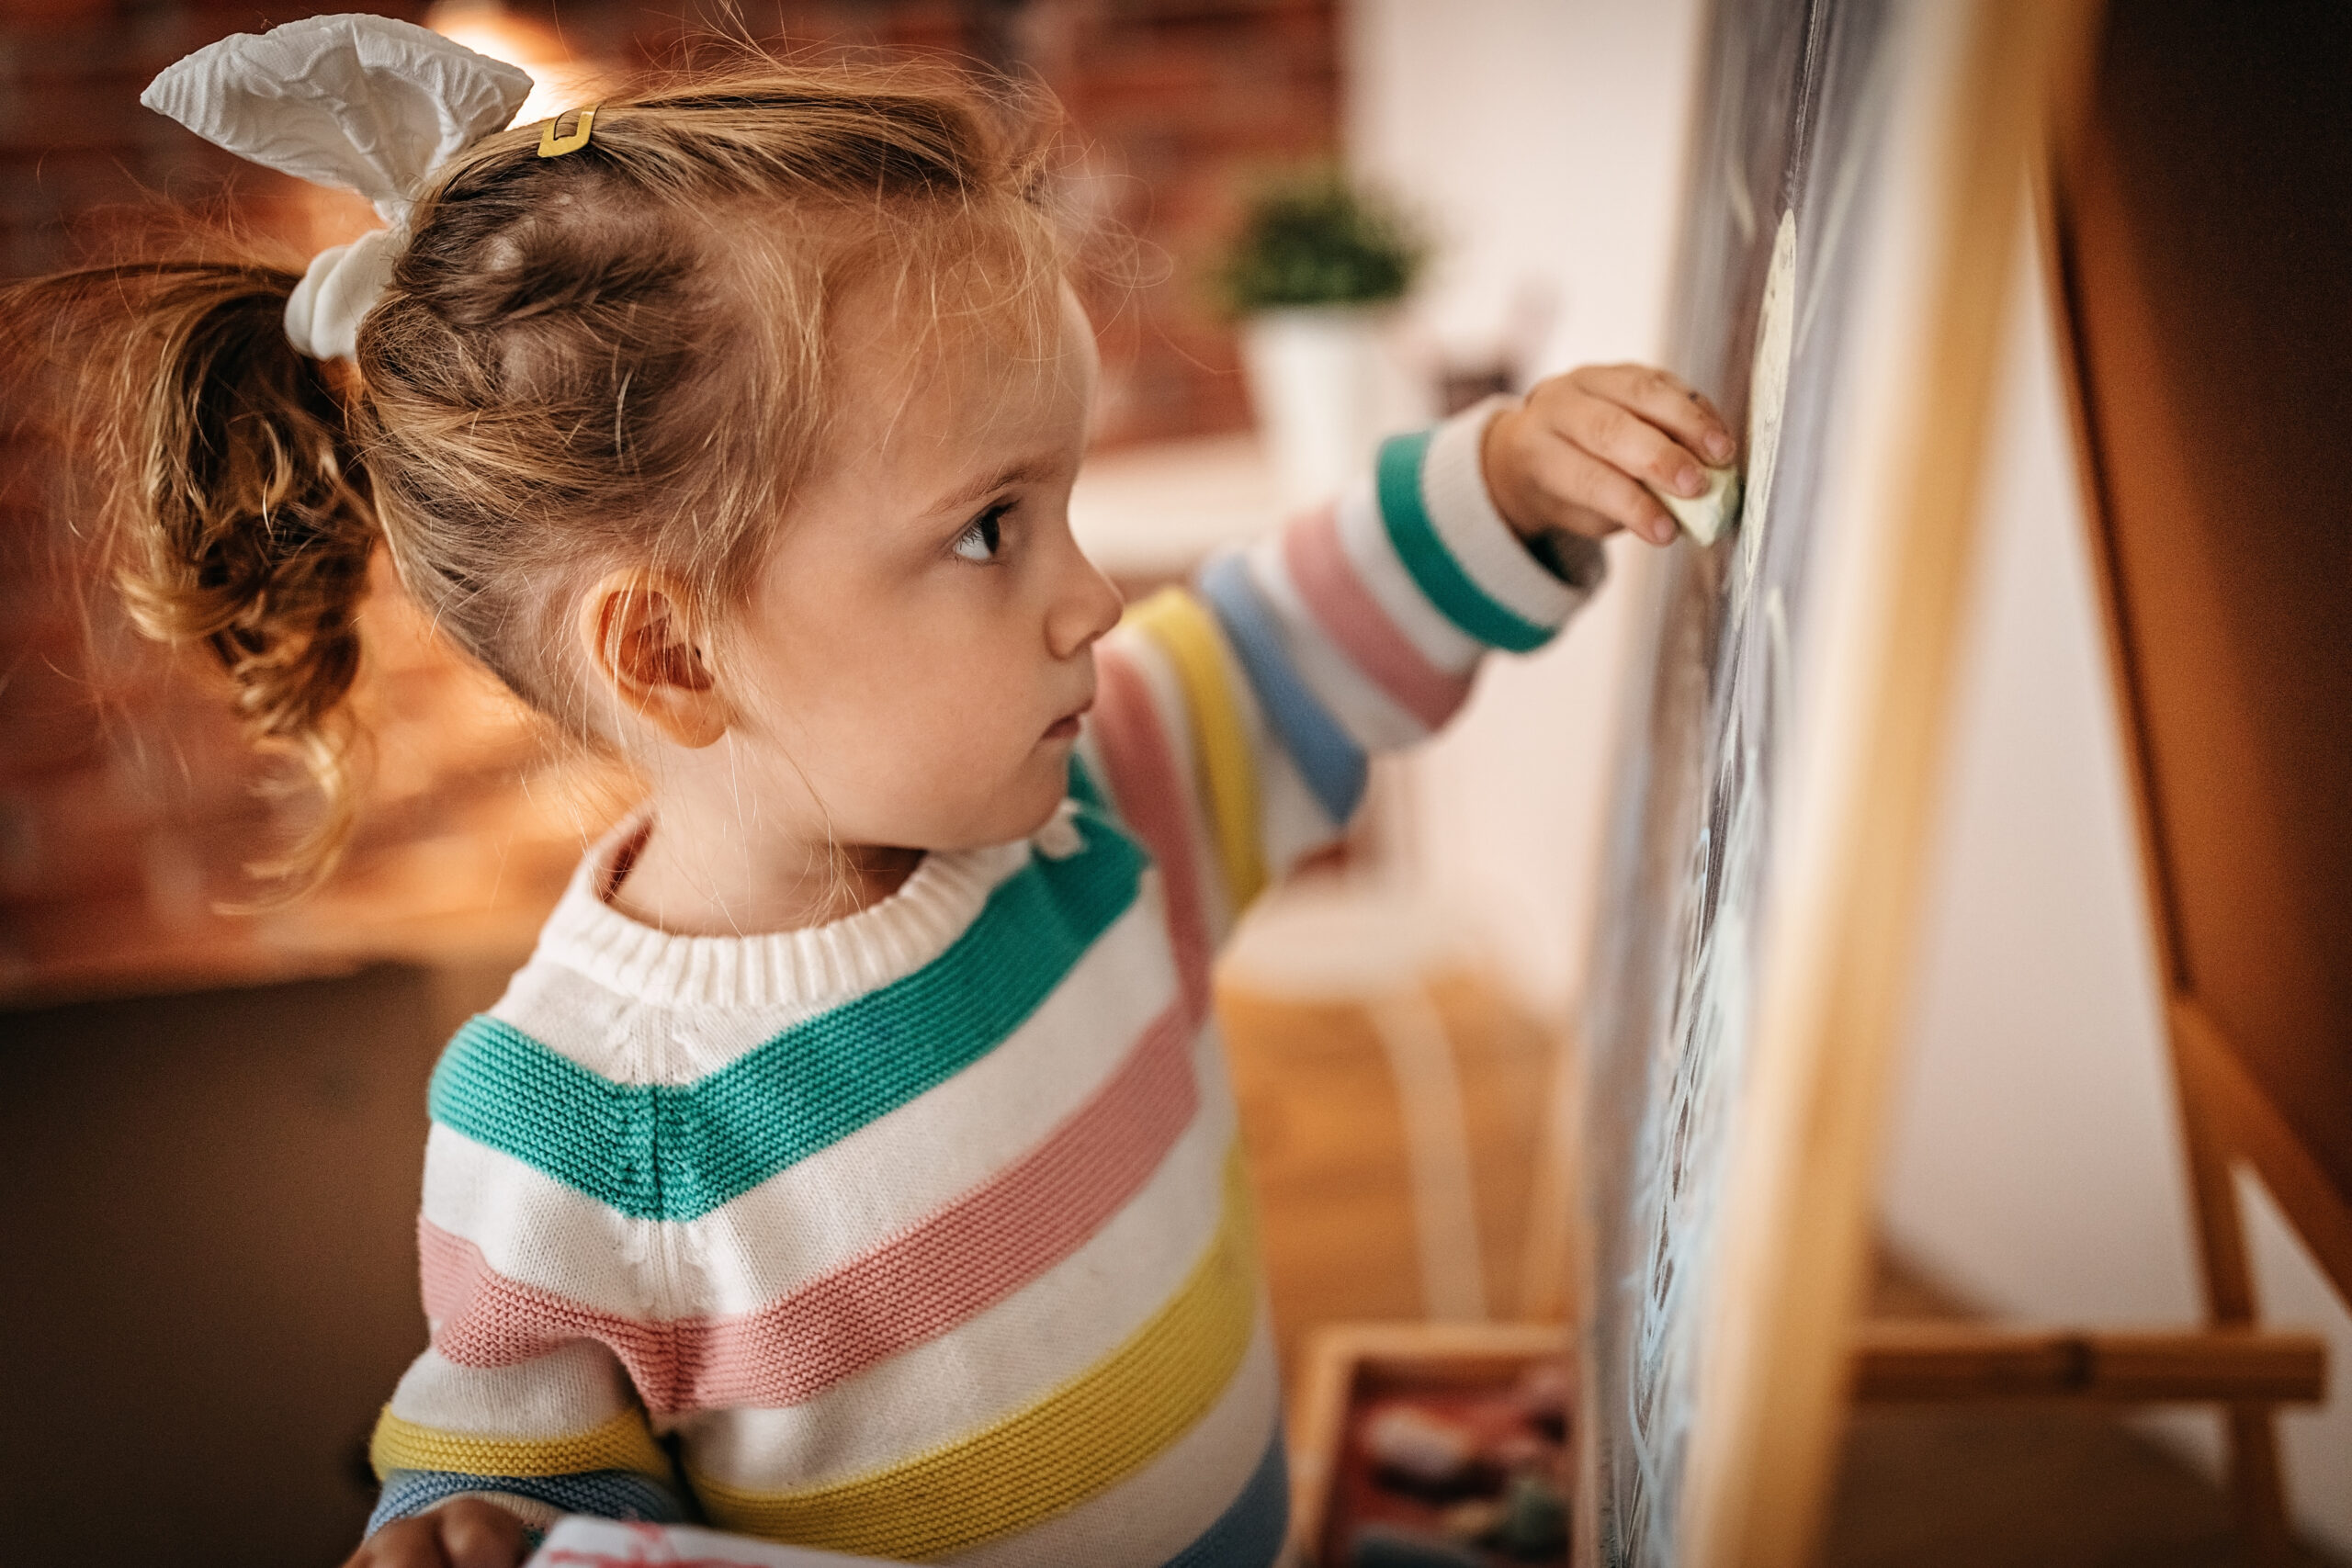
[1316, 240]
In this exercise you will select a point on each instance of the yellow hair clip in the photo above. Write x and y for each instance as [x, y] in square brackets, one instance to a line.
[554, 146]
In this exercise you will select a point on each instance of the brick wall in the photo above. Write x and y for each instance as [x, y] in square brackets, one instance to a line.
[128, 805]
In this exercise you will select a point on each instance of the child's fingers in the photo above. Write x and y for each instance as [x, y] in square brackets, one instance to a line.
[1668, 402]
[480, 1536]
[1621, 438]
[1589, 495]
[465, 1532]
[405, 1543]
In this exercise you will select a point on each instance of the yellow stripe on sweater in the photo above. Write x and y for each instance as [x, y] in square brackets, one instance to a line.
[621, 1443]
[1103, 1424]
[1174, 619]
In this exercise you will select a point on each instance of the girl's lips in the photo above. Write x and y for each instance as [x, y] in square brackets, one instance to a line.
[1066, 726]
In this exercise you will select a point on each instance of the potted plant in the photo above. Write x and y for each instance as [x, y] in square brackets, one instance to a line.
[1314, 274]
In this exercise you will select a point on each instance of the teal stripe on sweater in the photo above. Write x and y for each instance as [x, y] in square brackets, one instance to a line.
[678, 1151]
[1450, 588]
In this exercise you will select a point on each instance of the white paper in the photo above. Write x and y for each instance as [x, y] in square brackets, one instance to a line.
[578, 1541]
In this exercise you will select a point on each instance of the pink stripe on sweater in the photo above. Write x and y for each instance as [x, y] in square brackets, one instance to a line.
[915, 1287]
[1351, 616]
[1152, 796]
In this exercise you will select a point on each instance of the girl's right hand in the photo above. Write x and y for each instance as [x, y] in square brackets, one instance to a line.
[1577, 453]
[464, 1532]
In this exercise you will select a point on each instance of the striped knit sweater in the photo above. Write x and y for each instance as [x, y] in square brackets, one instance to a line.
[924, 1234]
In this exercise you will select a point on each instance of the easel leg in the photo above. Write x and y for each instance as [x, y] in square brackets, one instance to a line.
[2256, 1484]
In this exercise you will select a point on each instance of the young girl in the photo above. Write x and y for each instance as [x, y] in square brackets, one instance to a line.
[851, 1164]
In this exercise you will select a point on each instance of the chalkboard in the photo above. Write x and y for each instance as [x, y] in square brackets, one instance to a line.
[1854, 174]
[1781, 158]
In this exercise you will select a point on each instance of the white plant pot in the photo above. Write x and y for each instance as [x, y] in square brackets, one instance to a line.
[1328, 384]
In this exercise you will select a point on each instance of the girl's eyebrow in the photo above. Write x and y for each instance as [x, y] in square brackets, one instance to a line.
[1027, 470]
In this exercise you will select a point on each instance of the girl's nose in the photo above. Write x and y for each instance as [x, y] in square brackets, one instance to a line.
[1087, 606]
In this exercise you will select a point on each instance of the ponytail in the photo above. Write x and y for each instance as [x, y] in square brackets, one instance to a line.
[617, 355]
[242, 518]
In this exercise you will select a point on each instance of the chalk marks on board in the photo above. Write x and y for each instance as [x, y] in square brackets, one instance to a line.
[1678, 1163]
[1681, 1159]
[1795, 93]
[1768, 389]
[1677, 1183]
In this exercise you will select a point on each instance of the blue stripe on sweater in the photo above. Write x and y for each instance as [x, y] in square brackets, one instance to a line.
[1331, 763]
[678, 1151]
[1248, 1534]
[607, 1493]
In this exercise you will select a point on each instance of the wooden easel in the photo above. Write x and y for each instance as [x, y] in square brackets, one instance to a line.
[2264, 1093]
[1759, 1470]
[2202, 356]
[2219, 732]
[2238, 1088]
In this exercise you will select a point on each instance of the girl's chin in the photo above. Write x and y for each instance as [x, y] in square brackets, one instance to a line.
[1032, 797]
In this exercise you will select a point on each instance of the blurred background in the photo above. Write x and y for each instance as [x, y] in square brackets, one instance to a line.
[214, 1121]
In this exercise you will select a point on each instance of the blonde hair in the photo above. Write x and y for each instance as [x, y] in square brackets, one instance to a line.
[617, 355]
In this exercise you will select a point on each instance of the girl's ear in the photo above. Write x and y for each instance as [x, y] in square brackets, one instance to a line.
[644, 648]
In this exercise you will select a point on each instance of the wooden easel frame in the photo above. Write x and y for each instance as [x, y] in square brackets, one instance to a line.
[1787, 1346]
[1796, 1221]
[1891, 1361]
[2226, 1118]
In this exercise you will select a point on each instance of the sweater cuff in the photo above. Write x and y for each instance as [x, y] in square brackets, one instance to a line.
[607, 1493]
[1472, 566]
[534, 1514]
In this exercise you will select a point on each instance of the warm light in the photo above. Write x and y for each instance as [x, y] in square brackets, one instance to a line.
[558, 81]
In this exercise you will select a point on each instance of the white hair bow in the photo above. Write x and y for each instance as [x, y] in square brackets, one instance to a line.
[363, 102]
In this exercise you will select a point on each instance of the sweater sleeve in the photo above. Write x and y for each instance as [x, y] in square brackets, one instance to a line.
[508, 1403]
[1234, 719]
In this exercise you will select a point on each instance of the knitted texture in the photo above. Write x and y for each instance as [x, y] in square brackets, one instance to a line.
[1252, 1530]
[1067, 1446]
[654, 1151]
[1178, 622]
[619, 1443]
[917, 1285]
[925, 1235]
[611, 1495]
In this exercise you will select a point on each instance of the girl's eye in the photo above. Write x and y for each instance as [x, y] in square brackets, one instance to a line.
[983, 538]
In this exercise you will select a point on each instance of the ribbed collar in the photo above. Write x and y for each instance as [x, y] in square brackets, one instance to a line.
[812, 969]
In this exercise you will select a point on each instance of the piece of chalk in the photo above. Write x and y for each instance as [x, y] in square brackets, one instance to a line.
[1705, 515]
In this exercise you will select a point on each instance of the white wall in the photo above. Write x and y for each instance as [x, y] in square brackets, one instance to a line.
[2031, 1155]
[1544, 141]
[2033, 1161]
